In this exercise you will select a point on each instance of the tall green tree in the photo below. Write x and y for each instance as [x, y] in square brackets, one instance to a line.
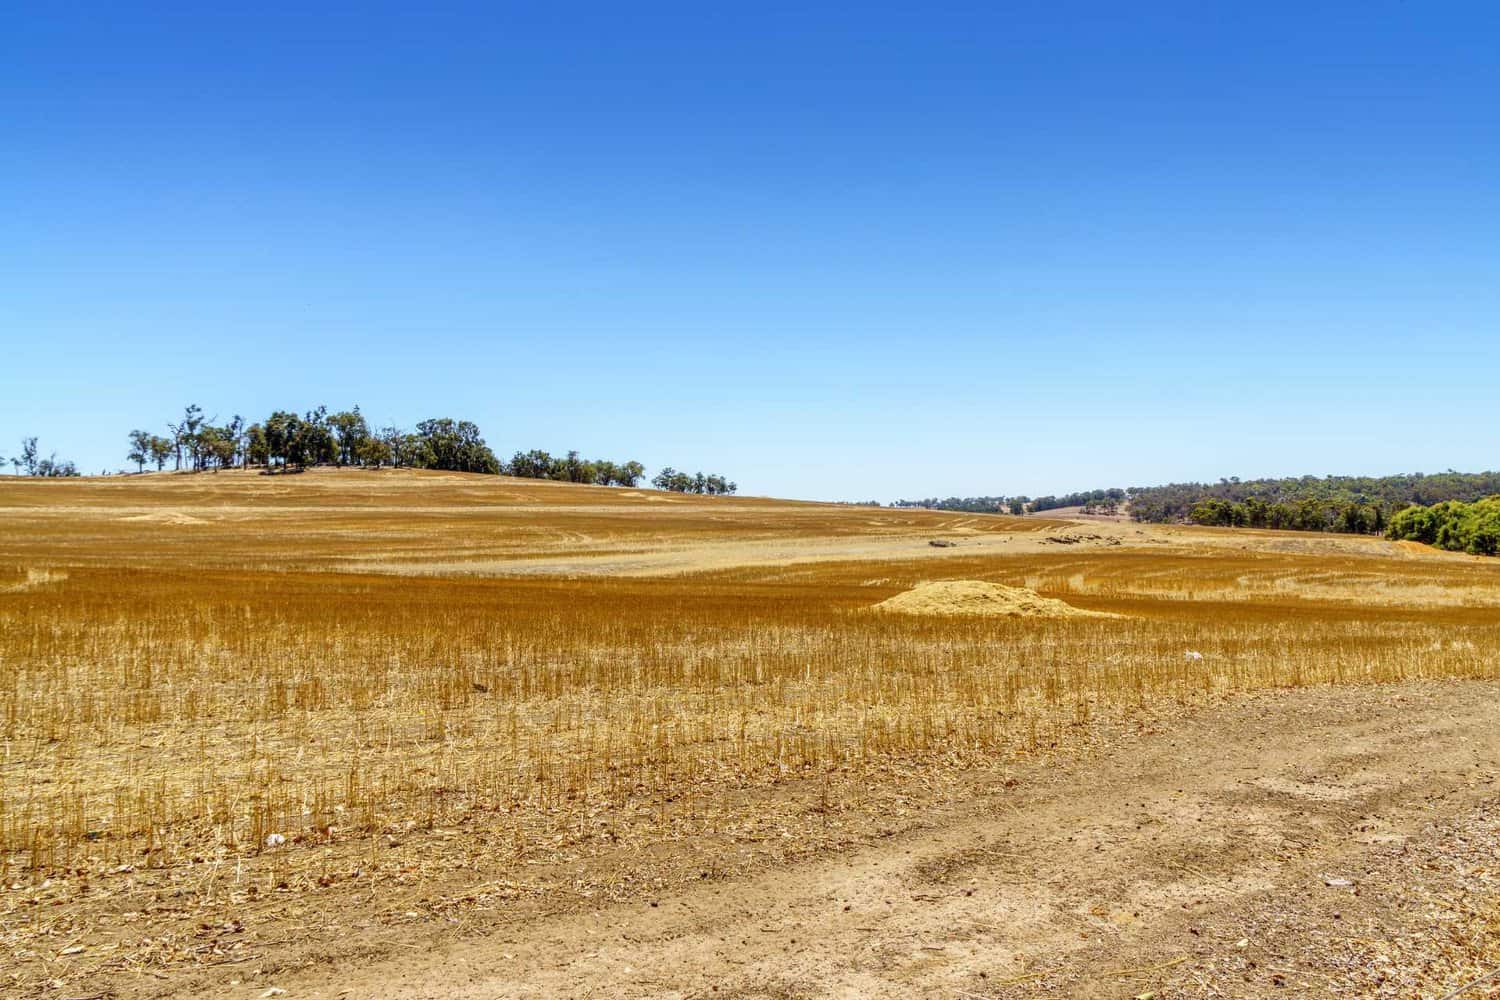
[456, 446]
[161, 449]
[257, 451]
[533, 464]
[283, 430]
[140, 449]
[373, 452]
[26, 462]
[351, 432]
[630, 473]
[319, 446]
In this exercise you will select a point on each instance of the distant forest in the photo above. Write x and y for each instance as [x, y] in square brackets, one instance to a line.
[1351, 504]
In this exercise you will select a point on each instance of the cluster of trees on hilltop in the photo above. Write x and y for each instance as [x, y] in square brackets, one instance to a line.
[31, 463]
[285, 441]
[680, 482]
[570, 468]
[1452, 524]
[193, 440]
[1360, 504]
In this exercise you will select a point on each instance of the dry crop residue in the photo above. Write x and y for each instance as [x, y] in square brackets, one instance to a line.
[976, 597]
[359, 716]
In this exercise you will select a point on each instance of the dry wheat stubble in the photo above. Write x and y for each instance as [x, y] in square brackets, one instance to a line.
[198, 696]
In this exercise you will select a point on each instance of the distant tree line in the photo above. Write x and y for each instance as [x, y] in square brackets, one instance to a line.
[1351, 504]
[286, 441]
[31, 463]
[968, 505]
[1452, 524]
[1355, 504]
[536, 464]
[680, 482]
[1103, 500]
[1093, 502]
[1307, 514]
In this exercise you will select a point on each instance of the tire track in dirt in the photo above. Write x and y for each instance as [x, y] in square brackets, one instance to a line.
[1041, 889]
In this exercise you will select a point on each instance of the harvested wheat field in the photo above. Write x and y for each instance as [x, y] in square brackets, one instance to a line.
[401, 734]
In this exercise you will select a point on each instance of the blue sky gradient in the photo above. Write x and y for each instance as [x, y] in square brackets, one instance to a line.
[834, 251]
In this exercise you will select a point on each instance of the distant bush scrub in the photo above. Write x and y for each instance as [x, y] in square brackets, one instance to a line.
[1453, 525]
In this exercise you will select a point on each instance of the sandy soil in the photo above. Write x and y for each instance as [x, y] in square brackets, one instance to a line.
[1262, 847]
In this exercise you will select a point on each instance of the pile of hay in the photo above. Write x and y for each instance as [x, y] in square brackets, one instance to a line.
[975, 597]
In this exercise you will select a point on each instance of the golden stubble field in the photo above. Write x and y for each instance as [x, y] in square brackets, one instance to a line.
[247, 719]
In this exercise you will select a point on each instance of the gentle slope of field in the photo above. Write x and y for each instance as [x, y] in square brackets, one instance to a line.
[251, 723]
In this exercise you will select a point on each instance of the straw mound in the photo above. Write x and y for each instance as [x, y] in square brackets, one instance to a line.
[975, 597]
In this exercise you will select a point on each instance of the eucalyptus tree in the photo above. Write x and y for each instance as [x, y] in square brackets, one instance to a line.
[140, 449]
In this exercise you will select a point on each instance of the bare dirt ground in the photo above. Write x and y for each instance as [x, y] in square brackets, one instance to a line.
[1298, 843]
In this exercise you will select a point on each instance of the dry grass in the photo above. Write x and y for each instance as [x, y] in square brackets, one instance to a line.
[189, 666]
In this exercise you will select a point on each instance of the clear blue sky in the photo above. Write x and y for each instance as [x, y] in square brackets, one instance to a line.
[832, 250]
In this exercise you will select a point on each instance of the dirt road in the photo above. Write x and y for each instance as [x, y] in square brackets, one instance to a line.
[1303, 843]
